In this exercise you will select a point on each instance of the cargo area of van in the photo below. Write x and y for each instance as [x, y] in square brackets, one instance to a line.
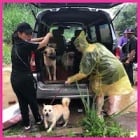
[67, 64]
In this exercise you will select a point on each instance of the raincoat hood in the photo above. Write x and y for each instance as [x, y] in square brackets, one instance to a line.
[81, 41]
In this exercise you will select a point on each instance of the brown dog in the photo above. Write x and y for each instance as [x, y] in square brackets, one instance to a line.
[67, 60]
[50, 61]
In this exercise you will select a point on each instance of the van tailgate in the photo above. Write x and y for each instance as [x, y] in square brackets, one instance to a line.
[46, 91]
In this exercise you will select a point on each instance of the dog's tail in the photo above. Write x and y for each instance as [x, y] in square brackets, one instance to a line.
[66, 102]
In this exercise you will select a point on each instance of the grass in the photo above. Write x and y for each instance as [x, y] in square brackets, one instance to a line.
[97, 127]
[37, 131]
[13, 14]
[6, 53]
[14, 131]
[100, 127]
[18, 131]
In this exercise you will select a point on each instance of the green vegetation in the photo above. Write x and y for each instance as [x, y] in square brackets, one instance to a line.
[14, 131]
[100, 127]
[126, 18]
[14, 14]
[6, 53]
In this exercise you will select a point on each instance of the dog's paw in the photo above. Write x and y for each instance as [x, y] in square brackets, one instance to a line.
[65, 125]
[54, 78]
[50, 78]
[46, 126]
[49, 130]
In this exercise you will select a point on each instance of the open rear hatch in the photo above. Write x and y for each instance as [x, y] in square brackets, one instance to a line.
[91, 5]
[49, 89]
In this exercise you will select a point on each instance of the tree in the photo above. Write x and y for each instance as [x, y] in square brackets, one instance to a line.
[13, 14]
[126, 18]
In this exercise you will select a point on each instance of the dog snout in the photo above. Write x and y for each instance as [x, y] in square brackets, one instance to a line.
[45, 52]
[47, 114]
[52, 53]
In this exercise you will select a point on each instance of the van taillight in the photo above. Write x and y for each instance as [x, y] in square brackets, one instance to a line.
[117, 52]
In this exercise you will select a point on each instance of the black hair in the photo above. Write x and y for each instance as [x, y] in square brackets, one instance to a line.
[14, 37]
[77, 33]
[22, 28]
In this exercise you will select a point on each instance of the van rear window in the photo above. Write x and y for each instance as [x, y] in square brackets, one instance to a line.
[93, 33]
[105, 33]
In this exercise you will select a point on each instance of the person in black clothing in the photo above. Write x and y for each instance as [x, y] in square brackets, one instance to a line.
[77, 54]
[131, 51]
[60, 41]
[22, 80]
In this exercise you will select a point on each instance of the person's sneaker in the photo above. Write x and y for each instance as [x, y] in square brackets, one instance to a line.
[39, 122]
[26, 128]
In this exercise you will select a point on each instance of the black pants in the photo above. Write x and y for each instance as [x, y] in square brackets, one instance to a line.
[24, 88]
[129, 71]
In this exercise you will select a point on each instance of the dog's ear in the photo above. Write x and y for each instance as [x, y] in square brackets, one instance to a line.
[43, 105]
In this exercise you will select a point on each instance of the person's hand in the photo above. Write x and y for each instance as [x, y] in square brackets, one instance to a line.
[49, 34]
[127, 61]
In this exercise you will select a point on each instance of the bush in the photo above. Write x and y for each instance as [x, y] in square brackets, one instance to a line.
[93, 125]
[13, 14]
[6, 54]
[99, 127]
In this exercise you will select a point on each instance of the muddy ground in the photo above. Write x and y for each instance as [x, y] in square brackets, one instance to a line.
[128, 119]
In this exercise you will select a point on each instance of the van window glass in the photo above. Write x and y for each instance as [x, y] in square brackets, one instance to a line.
[113, 33]
[93, 33]
[70, 32]
[115, 41]
[105, 33]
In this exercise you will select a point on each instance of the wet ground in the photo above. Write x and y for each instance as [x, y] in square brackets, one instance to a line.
[128, 119]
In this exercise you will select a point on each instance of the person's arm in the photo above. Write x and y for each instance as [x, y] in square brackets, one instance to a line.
[132, 53]
[131, 56]
[87, 64]
[76, 77]
[45, 40]
[37, 39]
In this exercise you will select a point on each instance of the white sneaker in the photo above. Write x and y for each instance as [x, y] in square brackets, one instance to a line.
[27, 127]
[39, 122]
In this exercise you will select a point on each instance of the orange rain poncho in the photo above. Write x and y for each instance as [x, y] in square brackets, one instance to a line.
[106, 72]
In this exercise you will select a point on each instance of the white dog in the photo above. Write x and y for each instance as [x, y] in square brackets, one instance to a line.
[52, 113]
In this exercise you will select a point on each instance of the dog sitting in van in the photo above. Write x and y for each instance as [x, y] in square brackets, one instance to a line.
[49, 55]
[67, 60]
